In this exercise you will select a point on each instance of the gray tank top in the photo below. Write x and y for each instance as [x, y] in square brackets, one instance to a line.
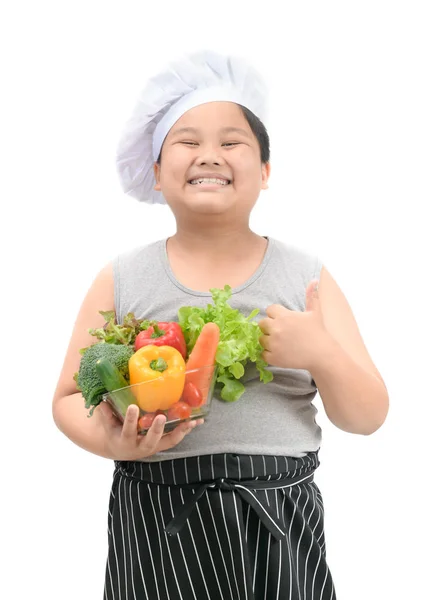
[276, 418]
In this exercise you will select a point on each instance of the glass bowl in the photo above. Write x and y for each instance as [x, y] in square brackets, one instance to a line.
[194, 402]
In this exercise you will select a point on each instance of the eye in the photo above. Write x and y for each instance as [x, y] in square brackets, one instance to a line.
[187, 143]
[231, 144]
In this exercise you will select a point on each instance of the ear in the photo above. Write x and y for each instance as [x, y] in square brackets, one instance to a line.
[157, 173]
[265, 175]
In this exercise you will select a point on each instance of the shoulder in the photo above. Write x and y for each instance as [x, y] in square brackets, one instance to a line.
[297, 263]
[291, 269]
[136, 256]
[139, 250]
[294, 252]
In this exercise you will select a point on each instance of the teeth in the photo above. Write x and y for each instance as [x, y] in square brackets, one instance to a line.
[209, 180]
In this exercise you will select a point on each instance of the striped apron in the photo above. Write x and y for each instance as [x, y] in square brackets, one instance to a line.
[217, 527]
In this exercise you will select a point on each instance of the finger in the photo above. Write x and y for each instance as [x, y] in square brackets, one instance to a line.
[312, 296]
[177, 435]
[265, 341]
[129, 430]
[108, 418]
[155, 432]
[275, 310]
[267, 356]
[265, 325]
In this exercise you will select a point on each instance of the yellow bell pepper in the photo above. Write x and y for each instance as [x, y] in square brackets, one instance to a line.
[161, 370]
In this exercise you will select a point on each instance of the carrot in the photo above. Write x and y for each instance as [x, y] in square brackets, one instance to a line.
[203, 355]
[204, 350]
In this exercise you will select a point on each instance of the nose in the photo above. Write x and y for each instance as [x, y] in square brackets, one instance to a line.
[209, 155]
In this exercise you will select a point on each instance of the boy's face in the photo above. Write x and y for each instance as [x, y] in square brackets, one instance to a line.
[210, 163]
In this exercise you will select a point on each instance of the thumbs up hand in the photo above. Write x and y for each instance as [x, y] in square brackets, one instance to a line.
[292, 339]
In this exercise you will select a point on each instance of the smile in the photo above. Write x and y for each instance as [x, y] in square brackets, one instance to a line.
[208, 180]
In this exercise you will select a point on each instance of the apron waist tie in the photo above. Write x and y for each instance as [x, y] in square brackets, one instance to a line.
[245, 490]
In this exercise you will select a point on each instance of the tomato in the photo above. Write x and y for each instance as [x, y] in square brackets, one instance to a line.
[192, 395]
[146, 421]
[179, 410]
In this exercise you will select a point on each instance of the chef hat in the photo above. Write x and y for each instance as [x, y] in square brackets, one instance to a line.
[196, 79]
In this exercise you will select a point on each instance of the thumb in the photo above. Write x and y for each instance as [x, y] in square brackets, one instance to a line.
[109, 419]
[312, 296]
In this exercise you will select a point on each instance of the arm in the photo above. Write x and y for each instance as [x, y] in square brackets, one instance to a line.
[353, 392]
[102, 433]
[69, 412]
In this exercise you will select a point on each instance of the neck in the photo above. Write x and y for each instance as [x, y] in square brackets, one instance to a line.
[215, 241]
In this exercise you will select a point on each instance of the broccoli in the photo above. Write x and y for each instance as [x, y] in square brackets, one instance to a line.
[87, 378]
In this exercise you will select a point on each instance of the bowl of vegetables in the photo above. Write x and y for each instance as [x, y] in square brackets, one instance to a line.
[172, 368]
[146, 363]
[179, 394]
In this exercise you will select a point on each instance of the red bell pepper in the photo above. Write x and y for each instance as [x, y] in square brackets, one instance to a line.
[162, 334]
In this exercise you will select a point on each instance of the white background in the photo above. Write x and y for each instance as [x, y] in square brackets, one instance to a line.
[345, 129]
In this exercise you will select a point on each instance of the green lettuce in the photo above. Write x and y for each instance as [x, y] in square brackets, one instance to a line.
[239, 341]
[113, 333]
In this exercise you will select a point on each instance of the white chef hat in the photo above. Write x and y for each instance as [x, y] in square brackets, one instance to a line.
[196, 79]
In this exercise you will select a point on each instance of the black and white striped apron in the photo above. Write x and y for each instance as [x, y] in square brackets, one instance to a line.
[217, 527]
